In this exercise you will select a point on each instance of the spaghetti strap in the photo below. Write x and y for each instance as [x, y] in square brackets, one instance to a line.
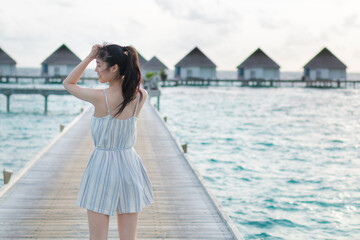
[137, 103]
[107, 105]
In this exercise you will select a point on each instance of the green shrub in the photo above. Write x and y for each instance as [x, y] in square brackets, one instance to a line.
[149, 75]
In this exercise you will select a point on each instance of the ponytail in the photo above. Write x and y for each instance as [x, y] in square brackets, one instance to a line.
[128, 64]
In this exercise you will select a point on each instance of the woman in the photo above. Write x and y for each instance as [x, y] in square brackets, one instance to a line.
[114, 179]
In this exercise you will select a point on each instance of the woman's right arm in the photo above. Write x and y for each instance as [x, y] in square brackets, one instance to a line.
[70, 83]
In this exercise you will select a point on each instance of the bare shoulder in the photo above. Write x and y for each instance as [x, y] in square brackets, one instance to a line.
[144, 94]
[99, 96]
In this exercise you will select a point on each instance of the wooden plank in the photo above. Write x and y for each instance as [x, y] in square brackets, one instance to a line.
[41, 202]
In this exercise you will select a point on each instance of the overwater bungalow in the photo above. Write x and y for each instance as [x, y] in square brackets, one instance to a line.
[325, 65]
[195, 64]
[7, 64]
[258, 66]
[60, 63]
[142, 60]
[153, 65]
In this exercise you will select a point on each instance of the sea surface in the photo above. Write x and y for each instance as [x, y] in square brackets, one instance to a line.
[283, 162]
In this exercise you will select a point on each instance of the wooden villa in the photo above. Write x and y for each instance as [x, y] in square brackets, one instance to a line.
[7, 64]
[60, 63]
[325, 66]
[195, 65]
[258, 66]
[153, 65]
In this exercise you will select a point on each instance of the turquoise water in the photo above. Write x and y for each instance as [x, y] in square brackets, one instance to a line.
[283, 162]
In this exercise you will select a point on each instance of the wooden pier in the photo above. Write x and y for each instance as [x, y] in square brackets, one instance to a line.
[8, 91]
[322, 83]
[39, 202]
[39, 79]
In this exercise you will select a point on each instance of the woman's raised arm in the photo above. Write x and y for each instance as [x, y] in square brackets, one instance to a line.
[70, 83]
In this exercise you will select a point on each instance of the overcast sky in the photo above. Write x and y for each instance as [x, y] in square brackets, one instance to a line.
[291, 32]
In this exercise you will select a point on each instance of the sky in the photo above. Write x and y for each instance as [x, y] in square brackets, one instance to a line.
[291, 32]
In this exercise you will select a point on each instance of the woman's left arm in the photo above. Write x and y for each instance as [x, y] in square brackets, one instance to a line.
[70, 83]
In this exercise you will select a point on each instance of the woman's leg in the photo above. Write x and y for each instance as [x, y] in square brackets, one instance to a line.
[127, 224]
[98, 225]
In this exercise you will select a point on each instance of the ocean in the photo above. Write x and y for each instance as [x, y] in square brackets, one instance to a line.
[283, 162]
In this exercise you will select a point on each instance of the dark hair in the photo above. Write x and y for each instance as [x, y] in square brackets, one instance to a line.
[128, 64]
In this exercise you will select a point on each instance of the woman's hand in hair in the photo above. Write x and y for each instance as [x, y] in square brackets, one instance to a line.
[94, 51]
[70, 83]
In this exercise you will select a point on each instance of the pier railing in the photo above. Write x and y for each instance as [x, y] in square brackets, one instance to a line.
[8, 91]
[39, 79]
[321, 83]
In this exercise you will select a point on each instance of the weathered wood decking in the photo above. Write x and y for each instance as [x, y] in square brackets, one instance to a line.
[39, 202]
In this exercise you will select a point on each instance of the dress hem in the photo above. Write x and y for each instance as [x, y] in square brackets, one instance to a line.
[111, 213]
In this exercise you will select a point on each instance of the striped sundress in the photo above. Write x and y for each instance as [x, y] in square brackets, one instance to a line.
[115, 177]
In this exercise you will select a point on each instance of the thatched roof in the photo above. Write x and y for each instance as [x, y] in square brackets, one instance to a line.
[258, 59]
[325, 59]
[63, 55]
[195, 58]
[5, 58]
[154, 64]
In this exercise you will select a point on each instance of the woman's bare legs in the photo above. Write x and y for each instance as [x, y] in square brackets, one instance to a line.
[98, 225]
[127, 224]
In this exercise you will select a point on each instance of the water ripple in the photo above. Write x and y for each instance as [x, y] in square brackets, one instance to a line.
[284, 168]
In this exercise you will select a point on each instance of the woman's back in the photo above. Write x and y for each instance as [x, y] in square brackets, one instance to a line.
[110, 133]
[115, 178]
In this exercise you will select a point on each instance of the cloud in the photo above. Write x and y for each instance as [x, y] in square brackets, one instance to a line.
[226, 30]
[351, 21]
[356, 53]
[63, 3]
[206, 11]
[272, 21]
